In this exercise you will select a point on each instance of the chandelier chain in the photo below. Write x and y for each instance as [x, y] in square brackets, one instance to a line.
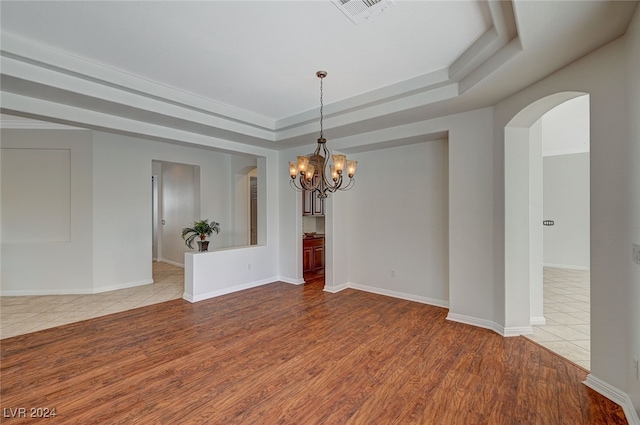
[321, 109]
[313, 172]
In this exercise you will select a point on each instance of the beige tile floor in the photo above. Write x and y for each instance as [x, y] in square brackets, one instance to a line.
[566, 310]
[21, 315]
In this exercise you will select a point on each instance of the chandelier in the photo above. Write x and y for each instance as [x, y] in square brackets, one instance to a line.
[311, 171]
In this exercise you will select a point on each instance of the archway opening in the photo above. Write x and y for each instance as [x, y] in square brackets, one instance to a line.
[560, 200]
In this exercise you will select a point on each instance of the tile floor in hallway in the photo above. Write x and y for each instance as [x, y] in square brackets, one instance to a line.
[21, 315]
[567, 313]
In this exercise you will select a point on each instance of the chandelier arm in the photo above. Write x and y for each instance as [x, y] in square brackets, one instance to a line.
[307, 185]
[294, 186]
[349, 185]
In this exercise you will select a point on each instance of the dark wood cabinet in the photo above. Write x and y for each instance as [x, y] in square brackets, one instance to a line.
[313, 256]
[311, 204]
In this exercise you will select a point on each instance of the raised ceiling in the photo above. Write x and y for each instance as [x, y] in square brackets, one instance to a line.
[245, 70]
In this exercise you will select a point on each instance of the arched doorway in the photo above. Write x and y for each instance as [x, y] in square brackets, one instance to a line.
[523, 214]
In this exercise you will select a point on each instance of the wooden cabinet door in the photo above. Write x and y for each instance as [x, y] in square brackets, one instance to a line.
[307, 259]
[318, 258]
[307, 202]
[318, 205]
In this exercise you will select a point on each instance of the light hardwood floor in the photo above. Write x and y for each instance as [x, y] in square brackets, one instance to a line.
[285, 354]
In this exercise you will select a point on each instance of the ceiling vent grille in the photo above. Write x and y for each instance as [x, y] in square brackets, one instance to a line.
[361, 10]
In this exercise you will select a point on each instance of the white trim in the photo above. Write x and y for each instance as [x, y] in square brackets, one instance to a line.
[290, 280]
[517, 331]
[538, 321]
[173, 263]
[336, 289]
[401, 295]
[565, 266]
[28, 124]
[474, 321]
[615, 395]
[122, 286]
[567, 151]
[200, 297]
[32, 292]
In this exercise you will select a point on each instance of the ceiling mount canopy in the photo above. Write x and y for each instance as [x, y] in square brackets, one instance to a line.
[311, 171]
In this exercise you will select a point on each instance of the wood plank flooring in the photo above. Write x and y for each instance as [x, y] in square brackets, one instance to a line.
[285, 354]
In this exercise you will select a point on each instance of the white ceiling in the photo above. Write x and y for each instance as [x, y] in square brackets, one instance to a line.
[245, 70]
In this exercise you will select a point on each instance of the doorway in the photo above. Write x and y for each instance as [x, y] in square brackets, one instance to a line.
[176, 195]
[253, 209]
[542, 173]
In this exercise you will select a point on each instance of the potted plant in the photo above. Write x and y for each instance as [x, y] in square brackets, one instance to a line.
[200, 229]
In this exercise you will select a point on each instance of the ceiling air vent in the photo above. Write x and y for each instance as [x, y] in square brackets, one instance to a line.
[360, 10]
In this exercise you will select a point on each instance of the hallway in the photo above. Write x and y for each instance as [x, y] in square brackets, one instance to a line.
[567, 311]
[25, 314]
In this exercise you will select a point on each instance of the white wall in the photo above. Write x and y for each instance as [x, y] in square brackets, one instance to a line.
[566, 202]
[472, 215]
[240, 168]
[471, 175]
[398, 222]
[110, 216]
[601, 75]
[566, 128]
[633, 227]
[179, 207]
[290, 221]
[122, 201]
[536, 277]
[61, 260]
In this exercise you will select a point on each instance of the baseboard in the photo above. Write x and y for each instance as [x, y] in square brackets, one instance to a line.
[34, 292]
[81, 291]
[291, 281]
[122, 286]
[401, 295]
[615, 395]
[212, 294]
[565, 266]
[538, 321]
[516, 331]
[173, 263]
[336, 289]
[474, 321]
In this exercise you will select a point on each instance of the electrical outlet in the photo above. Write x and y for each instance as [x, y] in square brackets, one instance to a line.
[393, 273]
[248, 266]
[635, 364]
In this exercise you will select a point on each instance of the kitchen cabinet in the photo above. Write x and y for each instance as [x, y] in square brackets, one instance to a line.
[311, 204]
[313, 255]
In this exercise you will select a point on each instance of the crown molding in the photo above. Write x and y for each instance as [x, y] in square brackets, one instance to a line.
[34, 70]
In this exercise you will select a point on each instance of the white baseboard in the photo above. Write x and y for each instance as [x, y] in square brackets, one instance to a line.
[80, 291]
[615, 395]
[212, 294]
[122, 286]
[565, 266]
[538, 321]
[290, 280]
[173, 263]
[474, 321]
[517, 331]
[401, 295]
[336, 289]
[33, 292]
